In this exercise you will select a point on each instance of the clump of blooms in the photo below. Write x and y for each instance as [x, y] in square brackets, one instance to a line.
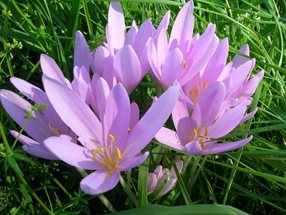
[90, 123]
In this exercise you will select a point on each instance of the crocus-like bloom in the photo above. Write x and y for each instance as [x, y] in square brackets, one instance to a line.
[124, 57]
[108, 146]
[182, 56]
[197, 133]
[43, 121]
[196, 62]
[161, 181]
[39, 123]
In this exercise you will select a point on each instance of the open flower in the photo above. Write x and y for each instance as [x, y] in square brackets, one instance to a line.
[197, 133]
[161, 181]
[108, 146]
[40, 121]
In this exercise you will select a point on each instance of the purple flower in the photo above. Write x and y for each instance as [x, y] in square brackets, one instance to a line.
[197, 133]
[43, 121]
[198, 61]
[124, 57]
[108, 146]
[183, 55]
[161, 181]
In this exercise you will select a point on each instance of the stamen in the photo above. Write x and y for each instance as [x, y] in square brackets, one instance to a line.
[118, 153]
[195, 94]
[184, 64]
[56, 131]
[112, 138]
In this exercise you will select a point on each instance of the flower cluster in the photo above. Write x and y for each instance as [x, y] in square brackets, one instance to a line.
[90, 123]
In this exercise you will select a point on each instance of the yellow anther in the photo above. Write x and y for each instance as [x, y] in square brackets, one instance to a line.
[184, 64]
[206, 132]
[102, 150]
[204, 84]
[118, 153]
[94, 153]
[112, 138]
[195, 94]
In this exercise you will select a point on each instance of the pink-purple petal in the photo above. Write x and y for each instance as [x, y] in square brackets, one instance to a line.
[117, 117]
[127, 67]
[99, 182]
[168, 137]
[209, 104]
[151, 122]
[51, 69]
[239, 59]
[116, 26]
[215, 148]
[71, 153]
[32, 147]
[73, 110]
[81, 51]
[227, 122]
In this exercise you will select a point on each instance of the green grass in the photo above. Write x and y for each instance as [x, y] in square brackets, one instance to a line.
[252, 179]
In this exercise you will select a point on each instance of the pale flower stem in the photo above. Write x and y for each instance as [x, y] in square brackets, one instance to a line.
[128, 191]
[199, 169]
[107, 203]
[102, 198]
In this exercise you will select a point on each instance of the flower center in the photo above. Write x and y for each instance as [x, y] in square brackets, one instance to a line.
[109, 156]
[56, 131]
[195, 92]
[200, 135]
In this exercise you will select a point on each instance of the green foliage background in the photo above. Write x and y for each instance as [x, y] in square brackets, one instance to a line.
[251, 179]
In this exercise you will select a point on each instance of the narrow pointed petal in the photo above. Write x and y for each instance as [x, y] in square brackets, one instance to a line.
[151, 122]
[81, 51]
[180, 111]
[34, 148]
[134, 162]
[73, 110]
[169, 138]
[209, 104]
[134, 115]
[116, 26]
[99, 182]
[182, 31]
[82, 73]
[146, 30]
[127, 66]
[71, 153]
[251, 85]
[215, 148]
[117, 117]
[100, 55]
[227, 122]
[51, 69]
[102, 92]
[131, 34]
[30, 91]
[202, 50]
[216, 63]
[185, 126]
[248, 116]
[152, 56]
[240, 74]
[81, 88]
[172, 67]
[193, 148]
[239, 59]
